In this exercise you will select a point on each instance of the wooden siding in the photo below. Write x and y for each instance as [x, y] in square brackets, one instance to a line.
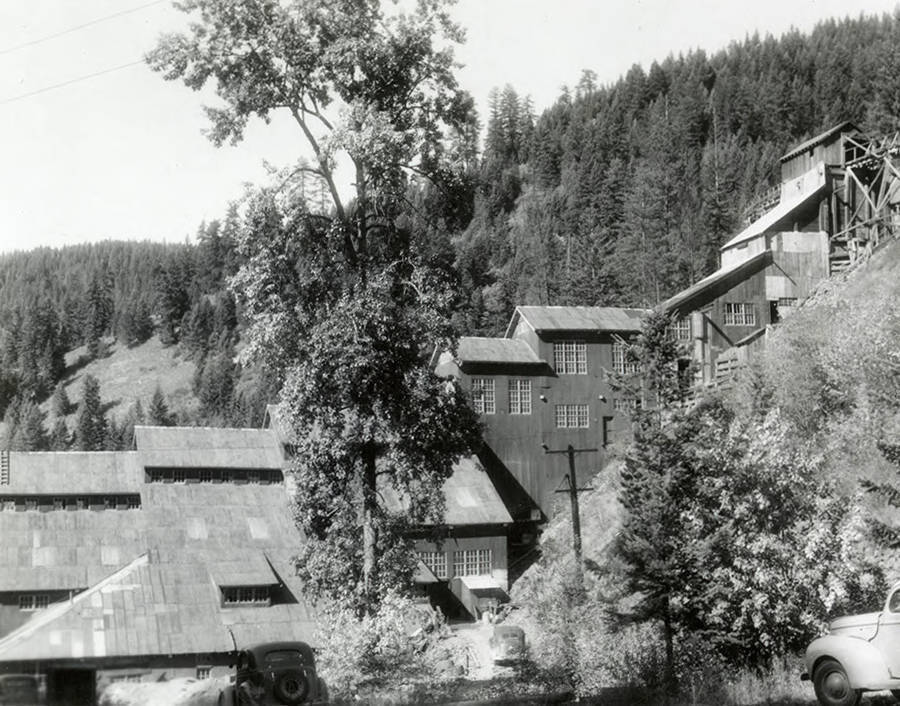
[516, 440]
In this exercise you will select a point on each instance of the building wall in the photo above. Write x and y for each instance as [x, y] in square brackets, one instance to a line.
[516, 440]
[496, 543]
[13, 617]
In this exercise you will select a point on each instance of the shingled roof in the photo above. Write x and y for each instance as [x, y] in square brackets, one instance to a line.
[577, 318]
[36, 473]
[470, 497]
[207, 447]
[474, 349]
[153, 574]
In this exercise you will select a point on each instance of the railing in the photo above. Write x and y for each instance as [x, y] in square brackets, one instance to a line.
[762, 204]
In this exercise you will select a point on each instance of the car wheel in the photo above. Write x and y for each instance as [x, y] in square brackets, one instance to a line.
[832, 685]
[291, 687]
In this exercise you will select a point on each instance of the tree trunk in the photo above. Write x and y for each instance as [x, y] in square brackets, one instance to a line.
[669, 680]
[369, 528]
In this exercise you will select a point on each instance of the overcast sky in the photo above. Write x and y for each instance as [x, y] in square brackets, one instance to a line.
[121, 155]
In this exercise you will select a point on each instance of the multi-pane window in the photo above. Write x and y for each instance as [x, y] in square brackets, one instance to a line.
[33, 601]
[483, 395]
[681, 329]
[625, 405]
[472, 562]
[205, 475]
[436, 561]
[572, 416]
[740, 314]
[519, 396]
[253, 477]
[203, 672]
[254, 595]
[179, 475]
[620, 362]
[570, 357]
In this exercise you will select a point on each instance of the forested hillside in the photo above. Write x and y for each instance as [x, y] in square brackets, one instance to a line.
[617, 194]
[622, 194]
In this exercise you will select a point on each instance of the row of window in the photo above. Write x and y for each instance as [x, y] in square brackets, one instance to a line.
[466, 562]
[33, 601]
[246, 595]
[484, 397]
[45, 503]
[570, 357]
[213, 475]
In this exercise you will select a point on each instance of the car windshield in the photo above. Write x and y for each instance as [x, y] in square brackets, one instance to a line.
[281, 656]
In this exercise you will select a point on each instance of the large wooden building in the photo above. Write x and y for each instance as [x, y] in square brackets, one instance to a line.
[144, 564]
[839, 198]
[544, 386]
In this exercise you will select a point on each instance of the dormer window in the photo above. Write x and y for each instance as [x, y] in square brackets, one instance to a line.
[246, 595]
[570, 357]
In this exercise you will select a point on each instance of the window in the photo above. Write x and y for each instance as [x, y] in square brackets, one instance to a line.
[436, 561]
[245, 595]
[179, 475]
[625, 405]
[126, 679]
[204, 672]
[206, 475]
[253, 477]
[31, 504]
[59, 503]
[472, 562]
[519, 396]
[740, 314]
[570, 357]
[681, 330]
[620, 362]
[572, 416]
[483, 395]
[33, 601]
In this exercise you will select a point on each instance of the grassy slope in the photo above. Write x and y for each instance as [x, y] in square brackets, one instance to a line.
[130, 374]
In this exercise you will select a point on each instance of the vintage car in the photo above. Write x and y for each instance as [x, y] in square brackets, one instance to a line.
[275, 673]
[507, 644]
[859, 653]
[20, 690]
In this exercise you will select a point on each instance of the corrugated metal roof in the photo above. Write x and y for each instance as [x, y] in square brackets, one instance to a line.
[73, 472]
[846, 126]
[710, 281]
[781, 211]
[474, 349]
[197, 537]
[207, 447]
[578, 318]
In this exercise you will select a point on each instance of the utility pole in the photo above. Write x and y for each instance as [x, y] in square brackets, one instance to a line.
[572, 481]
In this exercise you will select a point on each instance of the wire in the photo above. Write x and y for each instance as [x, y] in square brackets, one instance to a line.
[69, 82]
[78, 27]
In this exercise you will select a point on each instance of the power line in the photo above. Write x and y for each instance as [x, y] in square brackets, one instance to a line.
[78, 27]
[69, 82]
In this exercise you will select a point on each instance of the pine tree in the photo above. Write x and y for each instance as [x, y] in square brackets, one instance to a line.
[90, 427]
[158, 412]
[60, 406]
[30, 433]
[60, 439]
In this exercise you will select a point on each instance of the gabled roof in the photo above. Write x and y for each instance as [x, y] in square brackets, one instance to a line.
[699, 293]
[207, 447]
[41, 473]
[846, 126]
[474, 349]
[782, 211]
[469, 495]
[577, 318]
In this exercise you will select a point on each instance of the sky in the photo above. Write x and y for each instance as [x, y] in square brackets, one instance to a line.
[122, 155]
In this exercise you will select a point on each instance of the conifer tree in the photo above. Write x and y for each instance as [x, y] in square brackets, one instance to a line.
[91, 425]
[158, 412]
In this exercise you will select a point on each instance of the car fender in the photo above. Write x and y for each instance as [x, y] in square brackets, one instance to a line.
[864, 663]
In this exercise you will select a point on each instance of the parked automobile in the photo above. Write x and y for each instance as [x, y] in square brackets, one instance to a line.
[859, 653]
[275, 673]
[20, 690]
[507, 644]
